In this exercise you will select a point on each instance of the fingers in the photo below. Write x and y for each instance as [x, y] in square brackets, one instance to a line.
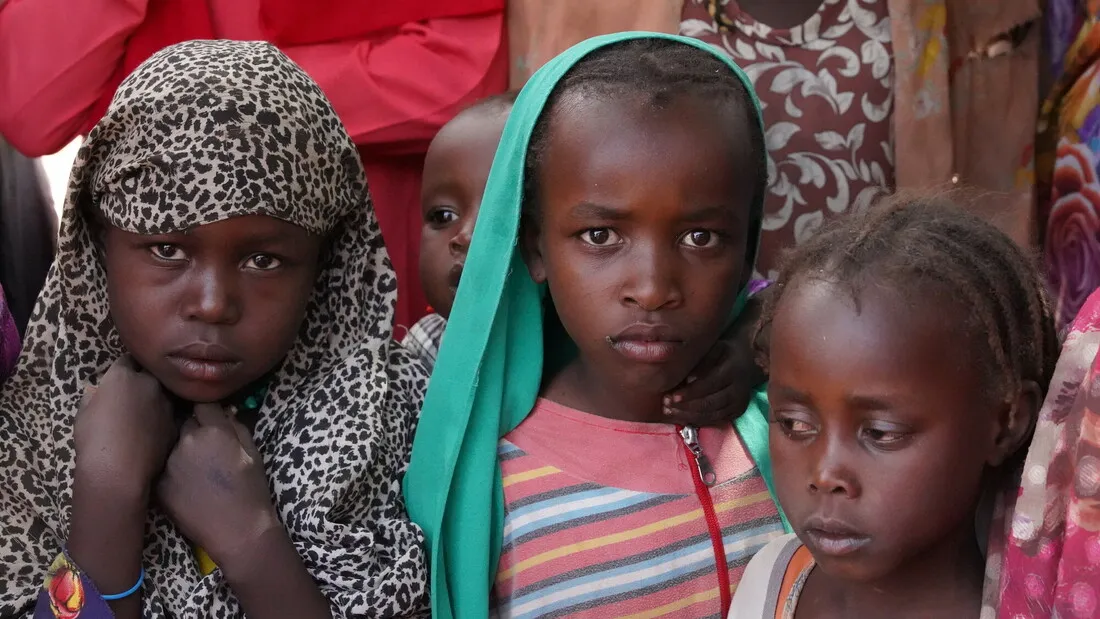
[213, 415]
[718, 408]
[126, 362]
[245, 438]
[210, 414]
[89, 393]
[123, 365]
[189, 426]
[707, 378]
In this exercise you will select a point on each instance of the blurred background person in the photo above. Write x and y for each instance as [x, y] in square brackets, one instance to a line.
[28, 231]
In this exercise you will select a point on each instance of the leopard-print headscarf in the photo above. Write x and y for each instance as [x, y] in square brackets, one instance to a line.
[201, 132]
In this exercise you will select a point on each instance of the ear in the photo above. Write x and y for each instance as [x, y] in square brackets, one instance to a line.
[531, 247]
[1016, 422]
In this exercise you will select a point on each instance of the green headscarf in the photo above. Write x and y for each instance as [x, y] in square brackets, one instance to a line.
[490, 366]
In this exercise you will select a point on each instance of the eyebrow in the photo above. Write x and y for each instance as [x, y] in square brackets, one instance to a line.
[789, 393]
[448, 185]
[867, 403]
[857, 402]
[711, 213]
[266, 237]
[273, 237]
[591, 210]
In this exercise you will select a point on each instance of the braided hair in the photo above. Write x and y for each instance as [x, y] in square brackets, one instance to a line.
[660, 70]
[910, 242]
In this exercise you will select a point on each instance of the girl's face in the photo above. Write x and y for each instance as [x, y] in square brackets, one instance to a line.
[642, 230]
[881, 426]
[211, 310]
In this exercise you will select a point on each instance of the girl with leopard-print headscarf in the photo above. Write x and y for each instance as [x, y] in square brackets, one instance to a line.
[220, 266]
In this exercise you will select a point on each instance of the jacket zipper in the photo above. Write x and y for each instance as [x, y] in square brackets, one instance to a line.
[704, 477]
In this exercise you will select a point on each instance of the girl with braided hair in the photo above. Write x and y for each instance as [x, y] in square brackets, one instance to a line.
[909, 350]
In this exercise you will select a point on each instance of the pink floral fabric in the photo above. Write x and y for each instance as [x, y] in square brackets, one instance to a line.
[1067, 156]
[1051, 565]
[1072, 248]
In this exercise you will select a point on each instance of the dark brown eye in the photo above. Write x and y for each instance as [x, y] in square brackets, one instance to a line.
[700, 238]
[167, 251]
[600, 237]
[441, 217]
[263, 262]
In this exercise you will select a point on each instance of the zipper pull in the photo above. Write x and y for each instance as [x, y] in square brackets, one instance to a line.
[691, 440]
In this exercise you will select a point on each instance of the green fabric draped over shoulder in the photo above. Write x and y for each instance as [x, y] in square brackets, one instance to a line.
[490, 366]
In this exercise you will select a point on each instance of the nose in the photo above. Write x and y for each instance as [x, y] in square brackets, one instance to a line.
[653, 282]
[833, 472]
[213, 296]
[460, 242]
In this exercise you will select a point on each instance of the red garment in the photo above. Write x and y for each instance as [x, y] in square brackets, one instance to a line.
[294, 22]
[393, 87]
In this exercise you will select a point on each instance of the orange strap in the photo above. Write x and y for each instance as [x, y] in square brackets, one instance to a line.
[800, 561]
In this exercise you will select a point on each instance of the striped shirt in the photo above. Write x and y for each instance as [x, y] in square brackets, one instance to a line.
[602, 518]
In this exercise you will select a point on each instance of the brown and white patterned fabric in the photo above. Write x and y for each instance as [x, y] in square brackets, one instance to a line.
[201, 132]
[826, 88]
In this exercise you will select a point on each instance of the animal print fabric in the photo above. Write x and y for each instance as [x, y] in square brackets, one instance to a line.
[201, 132]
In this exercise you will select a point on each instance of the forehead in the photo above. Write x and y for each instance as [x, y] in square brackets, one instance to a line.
[609, 148]
[833, 335]
[474, 133]
[244, 229]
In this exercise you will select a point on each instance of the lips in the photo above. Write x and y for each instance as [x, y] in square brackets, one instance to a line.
[204, 361]
[833, 538]
[646, 343]
[454, 276]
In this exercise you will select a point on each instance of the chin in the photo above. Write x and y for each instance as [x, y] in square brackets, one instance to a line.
[656, 379]
[200, 393]
[854, 569]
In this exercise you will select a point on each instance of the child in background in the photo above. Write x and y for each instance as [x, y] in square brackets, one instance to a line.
[455, 172]
[28, 232]
[637, 161]
[9, 340]
[219, 266]
[910, 348]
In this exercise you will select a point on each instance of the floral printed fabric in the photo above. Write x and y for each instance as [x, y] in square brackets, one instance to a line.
[1051, 566]
[1067, 158]
[69, 594]
[826, 88]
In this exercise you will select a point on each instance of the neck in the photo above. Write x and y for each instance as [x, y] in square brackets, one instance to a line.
[945, 581]
[582, 387]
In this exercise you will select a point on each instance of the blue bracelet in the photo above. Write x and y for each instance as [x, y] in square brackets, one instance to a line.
[127, 593]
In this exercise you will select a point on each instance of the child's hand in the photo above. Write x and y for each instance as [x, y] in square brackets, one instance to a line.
[719, 388]
[726, 379]
[124, 429]
[214, 487]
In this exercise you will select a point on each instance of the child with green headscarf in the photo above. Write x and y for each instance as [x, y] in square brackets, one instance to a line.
[547, 476]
